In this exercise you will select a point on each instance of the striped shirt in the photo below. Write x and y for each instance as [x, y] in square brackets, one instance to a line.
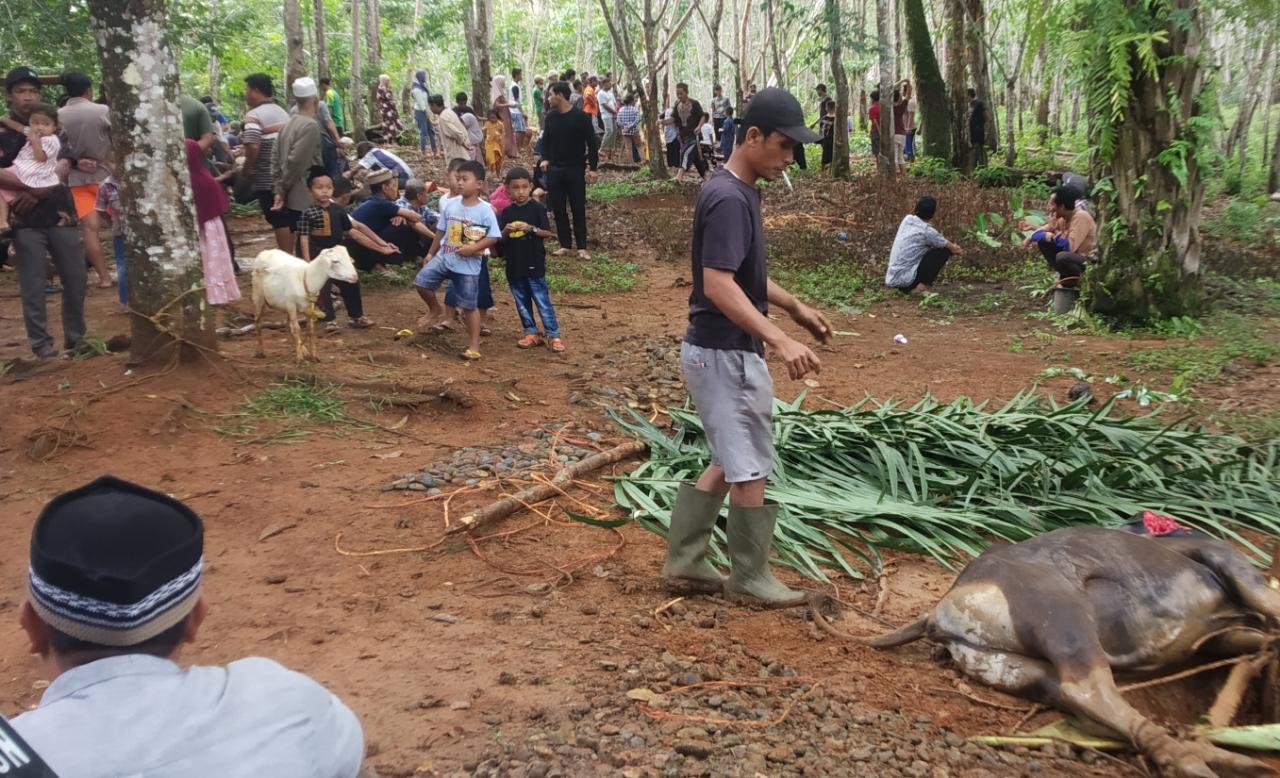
[265, 115]
[37, 174]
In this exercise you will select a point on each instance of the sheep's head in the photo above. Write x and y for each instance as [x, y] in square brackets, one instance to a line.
[338, 264]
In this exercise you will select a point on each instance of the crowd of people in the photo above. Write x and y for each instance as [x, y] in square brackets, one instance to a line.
[316, 187]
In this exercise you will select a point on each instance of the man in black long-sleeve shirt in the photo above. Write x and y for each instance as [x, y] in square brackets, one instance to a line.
[569, 147]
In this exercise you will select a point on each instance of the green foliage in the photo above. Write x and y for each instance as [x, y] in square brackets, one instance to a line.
[288, 413]
[994, 175]
[1241, 343]
[992, 229]
[602, 274]
[608, 191]
[935, 169]
[1253, 222]
[400, 277]
[948, 479]
[830, 284]
[1034, 189]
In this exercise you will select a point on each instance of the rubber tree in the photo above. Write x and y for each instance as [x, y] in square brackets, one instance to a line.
[373, 41]
[162, 253]
[887, 165]
[478, 29]
[322, 49]
[931, 90]
[840, 133]
[356, 89]
[295, 64]
[656, 52]
[1146, 122]
[956, 84]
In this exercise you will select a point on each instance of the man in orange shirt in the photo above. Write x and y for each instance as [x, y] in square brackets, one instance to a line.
[591, 104]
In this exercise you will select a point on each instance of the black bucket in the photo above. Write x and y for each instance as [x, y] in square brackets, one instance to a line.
[1065, 299]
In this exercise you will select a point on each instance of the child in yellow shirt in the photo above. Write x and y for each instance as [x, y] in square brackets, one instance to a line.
[493, 136]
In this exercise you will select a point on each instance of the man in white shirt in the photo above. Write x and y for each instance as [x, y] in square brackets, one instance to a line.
[609, 113]
[113, 594]
[919, 251]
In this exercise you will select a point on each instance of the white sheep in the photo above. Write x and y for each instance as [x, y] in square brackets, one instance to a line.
[291, 284]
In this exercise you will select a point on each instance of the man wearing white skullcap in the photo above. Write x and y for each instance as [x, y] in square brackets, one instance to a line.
[298, 153]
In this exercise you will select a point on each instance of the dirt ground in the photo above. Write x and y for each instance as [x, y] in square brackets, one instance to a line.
[514, 653]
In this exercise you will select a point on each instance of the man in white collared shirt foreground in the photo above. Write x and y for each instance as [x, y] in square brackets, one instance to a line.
[114, 593]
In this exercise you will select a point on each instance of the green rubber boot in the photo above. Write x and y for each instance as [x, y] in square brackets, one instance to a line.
[750, 537]
[693, 519]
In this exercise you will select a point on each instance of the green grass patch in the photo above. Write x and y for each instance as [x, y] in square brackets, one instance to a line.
[1254, 222]
[402, 279]
[829, 285]
[1240, 342]
[608, 191]
[288, 413]
[602, 274]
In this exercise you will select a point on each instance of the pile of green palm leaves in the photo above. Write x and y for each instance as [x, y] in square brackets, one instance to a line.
[946, 479]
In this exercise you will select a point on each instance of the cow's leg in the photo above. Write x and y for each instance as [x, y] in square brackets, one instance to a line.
[1246, 584]
[1086, 686]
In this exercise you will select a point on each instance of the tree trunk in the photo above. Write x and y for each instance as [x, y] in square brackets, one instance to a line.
[478, 14]
[840, 132]
[886, 156]
[1273, 175]
[322, 55]
[713, 29]
[356, 90]
[1010, 114]
[162, 252]
[373, 40]
[775, 55]
[1238, 137]
[1150, 236]
[213, 54]
[956, 37]
[1042, 102]
[930, 88]
[980, 68]
[295, 60]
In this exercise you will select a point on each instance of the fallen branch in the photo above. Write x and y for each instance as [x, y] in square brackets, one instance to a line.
[545, 491]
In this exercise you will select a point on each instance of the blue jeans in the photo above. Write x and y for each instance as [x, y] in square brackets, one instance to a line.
[529, 292]
[484, 291]
[122, 280]
[425, 132]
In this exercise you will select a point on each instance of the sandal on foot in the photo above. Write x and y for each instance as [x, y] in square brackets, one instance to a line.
[584, 254]
[364, 322]
[330, 327]
[529, 341]
[560, 252]
[470, 355]
[555, 344]
[485, 331]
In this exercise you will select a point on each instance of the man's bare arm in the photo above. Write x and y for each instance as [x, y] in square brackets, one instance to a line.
[723, 291]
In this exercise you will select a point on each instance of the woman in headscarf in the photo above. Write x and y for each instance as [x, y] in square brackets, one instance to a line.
[420, 97]
[391, 128]
[498, 93]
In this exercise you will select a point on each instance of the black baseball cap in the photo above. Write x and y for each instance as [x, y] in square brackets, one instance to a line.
[20, 75]
[778, 110]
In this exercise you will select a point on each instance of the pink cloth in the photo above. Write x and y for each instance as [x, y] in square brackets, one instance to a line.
[219, 275]
[211, 198]
[500, 199]
[38, 174]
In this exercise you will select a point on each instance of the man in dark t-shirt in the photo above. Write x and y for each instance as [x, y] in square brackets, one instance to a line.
[723, 362]
[977, 128]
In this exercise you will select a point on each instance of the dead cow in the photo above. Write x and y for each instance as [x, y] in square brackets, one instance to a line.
[1052, 617]
[291, 284]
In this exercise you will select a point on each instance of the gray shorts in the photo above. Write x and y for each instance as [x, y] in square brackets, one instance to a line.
[733, 393]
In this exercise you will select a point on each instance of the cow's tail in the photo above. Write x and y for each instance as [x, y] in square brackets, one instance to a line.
[903, 635]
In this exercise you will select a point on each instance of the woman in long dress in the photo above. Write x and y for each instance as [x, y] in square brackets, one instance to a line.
[498, 93]
[215, 253]
[391, 128]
